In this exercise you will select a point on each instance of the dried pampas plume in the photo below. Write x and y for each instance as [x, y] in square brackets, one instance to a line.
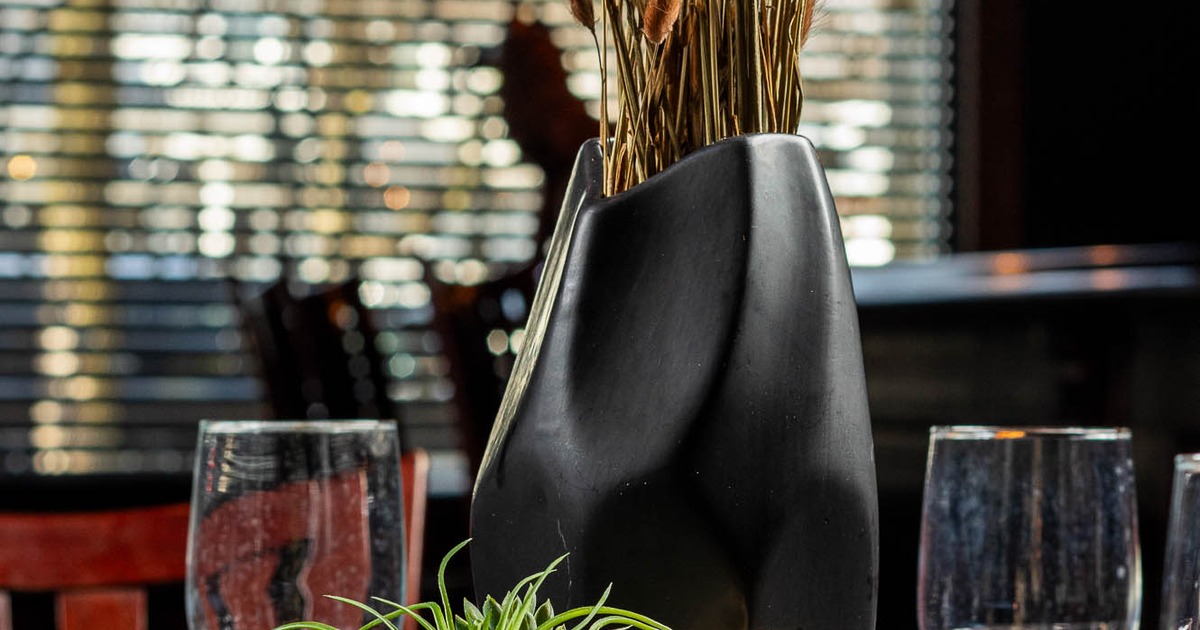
[658, 17]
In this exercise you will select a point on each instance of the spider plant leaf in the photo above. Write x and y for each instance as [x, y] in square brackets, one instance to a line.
[515, 593]
[595, 609]
[530, 598]
[588, 612]
[604, 622]
[608, 621]
[444, 613]
[305, 625]
[544, 613]
[507, 602]
[536, 579]
[491, 613]
[367, 609]
[471, 613]
[624, 618]
[415, 607]
[510, 612]
[402, 610]
[612, 615]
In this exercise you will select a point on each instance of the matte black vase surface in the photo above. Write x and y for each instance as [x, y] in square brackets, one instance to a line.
[688, 418]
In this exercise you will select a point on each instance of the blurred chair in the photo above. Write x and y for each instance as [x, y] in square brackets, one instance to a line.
[414, 468]
[316, 352]
[549, 124]
[99, 564]
[546, 120]
[476, 324]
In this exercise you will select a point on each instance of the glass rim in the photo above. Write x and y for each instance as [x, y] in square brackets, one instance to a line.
[992, 432]
[296, 426]
[1189, 462]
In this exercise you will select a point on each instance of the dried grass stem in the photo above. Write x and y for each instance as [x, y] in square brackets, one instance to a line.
[691, 72]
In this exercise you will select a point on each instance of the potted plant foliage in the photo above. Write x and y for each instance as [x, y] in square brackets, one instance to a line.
[518, 610]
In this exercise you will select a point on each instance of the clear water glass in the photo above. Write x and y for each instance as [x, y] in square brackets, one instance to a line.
[285, 513]
[1181, 566]
[1029, 528]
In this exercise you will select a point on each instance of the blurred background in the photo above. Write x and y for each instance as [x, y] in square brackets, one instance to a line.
[189, 186]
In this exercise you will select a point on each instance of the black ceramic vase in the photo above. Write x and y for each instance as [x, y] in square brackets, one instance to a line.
[688, 418]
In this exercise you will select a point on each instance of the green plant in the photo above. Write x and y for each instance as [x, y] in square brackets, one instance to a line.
[515, 611]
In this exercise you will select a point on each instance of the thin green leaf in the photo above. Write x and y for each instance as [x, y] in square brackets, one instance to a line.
[603, 622]
[588, 612]
[595, 609]
[627, 621]
[471, 613]
[608, 621]
[443, 621]
[530, 600]
[367, 609]
[305, 625]
[544, 612]
[515, 592]
[491, 613]
[509, 611]
[634, 619]
[411, 611]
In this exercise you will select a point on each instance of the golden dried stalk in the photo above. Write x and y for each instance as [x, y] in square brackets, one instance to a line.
[691, 72]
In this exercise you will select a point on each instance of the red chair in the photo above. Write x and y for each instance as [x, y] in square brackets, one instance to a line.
[99, 564]
[414, 466]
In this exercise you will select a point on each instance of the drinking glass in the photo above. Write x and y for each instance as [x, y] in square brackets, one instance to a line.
[1181, 572]
[285, 513]
[1029, 528]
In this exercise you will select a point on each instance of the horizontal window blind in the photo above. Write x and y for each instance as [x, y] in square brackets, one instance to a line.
[151, 149]
[877, 76]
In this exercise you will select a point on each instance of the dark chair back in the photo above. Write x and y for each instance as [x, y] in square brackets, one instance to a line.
[317, 352]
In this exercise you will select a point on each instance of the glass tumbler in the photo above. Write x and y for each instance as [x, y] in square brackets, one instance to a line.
[1029, 528]
[284, 513]
[1181, 566]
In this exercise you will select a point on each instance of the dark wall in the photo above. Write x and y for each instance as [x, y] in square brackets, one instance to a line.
[1106, 362]
[1111, 134]
[1075, 123]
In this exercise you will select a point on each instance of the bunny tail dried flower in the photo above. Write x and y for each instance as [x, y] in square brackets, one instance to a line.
[584, 13]
[658, 17]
